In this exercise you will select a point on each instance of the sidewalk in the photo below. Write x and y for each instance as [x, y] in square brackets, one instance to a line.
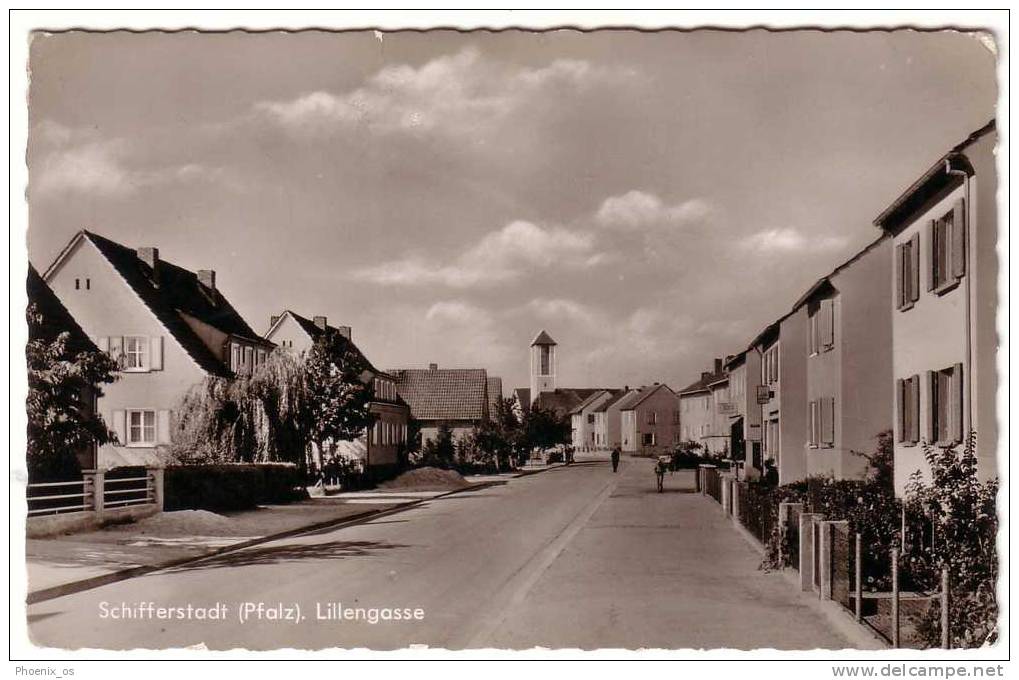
[172, 536]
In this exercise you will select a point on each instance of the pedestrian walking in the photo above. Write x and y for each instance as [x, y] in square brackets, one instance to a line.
[660, 467]
[615, 458]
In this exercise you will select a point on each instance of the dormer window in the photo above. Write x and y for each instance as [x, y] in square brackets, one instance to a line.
[136, 353]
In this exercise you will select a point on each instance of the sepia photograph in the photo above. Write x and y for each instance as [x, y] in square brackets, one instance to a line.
[561, 338]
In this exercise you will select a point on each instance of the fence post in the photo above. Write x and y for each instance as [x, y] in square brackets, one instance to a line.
[97, 479]
[946, 627]
[858, 560]
[156, 474]
[735, 498]
[807, 549]
[895, 596]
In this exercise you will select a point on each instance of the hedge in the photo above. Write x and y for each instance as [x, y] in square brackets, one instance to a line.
[230, 487]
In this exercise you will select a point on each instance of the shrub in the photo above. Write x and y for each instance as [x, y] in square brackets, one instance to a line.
[960, 512]
[229, 487]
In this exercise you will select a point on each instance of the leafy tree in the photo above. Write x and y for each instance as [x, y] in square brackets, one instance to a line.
[289, 403]
[339, 381]
[61, 374]
[881, 463]
[544, 428]
[439, 451]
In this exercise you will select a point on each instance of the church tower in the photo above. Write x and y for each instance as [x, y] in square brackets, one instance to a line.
[543, 365]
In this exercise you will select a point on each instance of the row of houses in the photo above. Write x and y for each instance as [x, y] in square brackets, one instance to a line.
[899, 337]
[169, 328]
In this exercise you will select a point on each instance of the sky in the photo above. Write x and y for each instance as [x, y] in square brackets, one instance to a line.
[652, 200]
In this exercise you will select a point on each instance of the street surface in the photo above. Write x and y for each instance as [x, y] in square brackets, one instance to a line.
[571, 557]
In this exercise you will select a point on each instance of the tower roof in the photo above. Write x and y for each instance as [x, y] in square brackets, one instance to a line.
[543, 338]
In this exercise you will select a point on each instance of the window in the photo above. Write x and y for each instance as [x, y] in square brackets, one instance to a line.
[649, 439]
[675, 417]
[946, 251]
[769, 366]
[907, 406]
[821, 327]
[77, 284]
[545, 352]
[944, 408]
[814, 432]
[136, 353]
[141, 428]
[907, 278]
[590, 419]
[652, 417]
[88, 284]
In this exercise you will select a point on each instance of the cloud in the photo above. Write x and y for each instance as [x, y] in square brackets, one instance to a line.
[456, 95]
[789, 240]
[638, 209]
[66, 160]
[500, 256]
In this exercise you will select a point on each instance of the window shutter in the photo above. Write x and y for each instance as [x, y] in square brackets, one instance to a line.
[900, 409]
[828, 421]
[827, 322]
[931, 231]
[163, 427]
[900, 274]
[958, 237]
[932, 391]
[914, 255]
[120, 426]
[914, 409]
[955, 417]
[156, 353]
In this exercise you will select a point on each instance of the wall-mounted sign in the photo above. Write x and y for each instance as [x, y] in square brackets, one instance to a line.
[764, 394]
[726, 408]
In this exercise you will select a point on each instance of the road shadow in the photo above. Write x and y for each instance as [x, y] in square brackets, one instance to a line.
[294, 552]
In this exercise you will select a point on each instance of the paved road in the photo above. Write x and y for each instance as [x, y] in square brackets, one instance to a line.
[572, 557]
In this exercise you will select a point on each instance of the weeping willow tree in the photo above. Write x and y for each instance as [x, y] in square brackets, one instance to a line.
[274, 415]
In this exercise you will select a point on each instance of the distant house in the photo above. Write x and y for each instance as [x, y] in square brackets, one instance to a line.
[521, 402]
[380, 445]
[944, 301]
[698, 412]
[583, 420]
[650, 423]
[57, 320]
[456, 397]
[167, 327]
[606, 421]
[612, 419]
[744, 371]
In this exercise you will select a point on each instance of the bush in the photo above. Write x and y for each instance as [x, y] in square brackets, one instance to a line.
[229, 487]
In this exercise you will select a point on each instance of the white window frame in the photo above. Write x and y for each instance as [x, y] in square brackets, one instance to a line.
[129, 427]
[143, 354]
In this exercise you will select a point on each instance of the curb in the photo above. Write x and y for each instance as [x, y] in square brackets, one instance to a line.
[341, 522]
[860, 635]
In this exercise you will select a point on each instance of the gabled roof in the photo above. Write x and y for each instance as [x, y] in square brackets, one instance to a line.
[702, 384]
[604, 406]
[825, 283]
[936, 180]
[55, 317]
[543, 338]
[588, 400]
[646, 393]
[627, 400]
[523, 396]
[169, 293]
[564, 399]
[443, 393]
[313, 331]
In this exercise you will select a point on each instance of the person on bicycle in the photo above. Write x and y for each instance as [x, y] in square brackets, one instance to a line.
[660, 468]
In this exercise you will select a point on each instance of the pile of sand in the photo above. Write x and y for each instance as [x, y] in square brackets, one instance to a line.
[186, 522]
[427, 479]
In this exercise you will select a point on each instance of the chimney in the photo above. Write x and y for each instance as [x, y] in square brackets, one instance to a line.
[705, 375]
[344, 331]
[207, 278]
[320, 322]
[273, 318]
[718, 366]
[149, 256]
[433, 367]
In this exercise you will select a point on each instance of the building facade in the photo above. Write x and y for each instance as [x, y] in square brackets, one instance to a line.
[454, 397]
[943, 285]
[650, 423]
[167, 327]
[849, 363]
[584, 420]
